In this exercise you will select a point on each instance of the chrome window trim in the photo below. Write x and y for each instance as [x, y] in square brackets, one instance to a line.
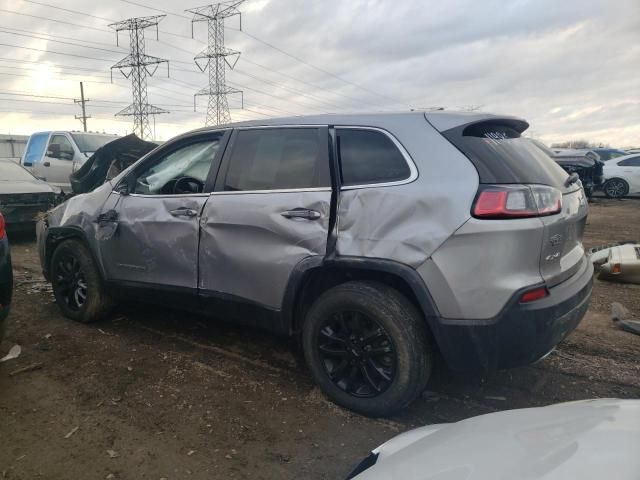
[156, 195]
[282, 190]
[413, 170]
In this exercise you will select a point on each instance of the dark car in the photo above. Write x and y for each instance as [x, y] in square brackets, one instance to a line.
[6, 276]
[23, 196]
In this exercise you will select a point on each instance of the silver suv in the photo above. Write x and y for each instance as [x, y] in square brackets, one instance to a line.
[380, 240]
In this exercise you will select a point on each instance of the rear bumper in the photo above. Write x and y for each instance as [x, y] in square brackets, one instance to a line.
[522, 333]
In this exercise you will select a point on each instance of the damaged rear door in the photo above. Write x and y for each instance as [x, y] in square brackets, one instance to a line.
[150, 223]
[270, 210]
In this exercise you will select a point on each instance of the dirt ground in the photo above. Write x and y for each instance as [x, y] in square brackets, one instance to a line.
[159, 394]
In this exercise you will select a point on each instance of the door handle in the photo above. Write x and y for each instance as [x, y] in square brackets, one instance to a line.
[301, 213]
[47, 164]
[184, 212]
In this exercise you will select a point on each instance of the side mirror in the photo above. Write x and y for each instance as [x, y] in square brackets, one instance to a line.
[53, 151]
[123, 188]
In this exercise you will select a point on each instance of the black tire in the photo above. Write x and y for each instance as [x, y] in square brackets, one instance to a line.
[77, 285]
[399, 369]
[615, 188]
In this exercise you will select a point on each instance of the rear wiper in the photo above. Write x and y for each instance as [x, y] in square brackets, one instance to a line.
[571, 179]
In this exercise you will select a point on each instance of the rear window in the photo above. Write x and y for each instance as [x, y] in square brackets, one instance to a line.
[501, 155]
[368, 157]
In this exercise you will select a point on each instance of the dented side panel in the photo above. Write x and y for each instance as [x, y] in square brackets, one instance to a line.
[406, 223]
[249, 249]
[154, 242]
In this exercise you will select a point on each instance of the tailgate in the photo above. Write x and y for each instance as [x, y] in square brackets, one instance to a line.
[562, 250]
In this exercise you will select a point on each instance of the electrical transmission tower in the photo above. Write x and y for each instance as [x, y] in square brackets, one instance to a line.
[215, 57]
[137, 66]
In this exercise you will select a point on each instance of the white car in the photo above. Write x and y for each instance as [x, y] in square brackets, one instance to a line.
[586, 440]
[622, 176]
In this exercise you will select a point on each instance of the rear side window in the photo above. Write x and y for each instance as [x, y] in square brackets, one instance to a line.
[501, 155]
[35, 148]
[630, 162]
[278, 158]
[368, 157]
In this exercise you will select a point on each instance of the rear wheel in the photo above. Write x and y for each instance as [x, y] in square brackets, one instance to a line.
[616, 188]
[368, 348]
[77, 285]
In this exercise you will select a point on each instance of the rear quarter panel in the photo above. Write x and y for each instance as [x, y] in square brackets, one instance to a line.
[406, 223]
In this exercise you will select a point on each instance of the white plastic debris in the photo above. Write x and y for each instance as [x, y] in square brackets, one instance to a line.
[15, 352]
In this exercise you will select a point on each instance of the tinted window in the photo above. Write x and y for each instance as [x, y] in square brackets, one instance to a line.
[367, 156]
[501, 155]
[192, 161]
[35, 148]
[278, 158]
[630, 162]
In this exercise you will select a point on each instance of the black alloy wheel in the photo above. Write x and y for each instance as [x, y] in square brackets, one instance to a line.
[357, 354]
[71, 282]
[616, 188]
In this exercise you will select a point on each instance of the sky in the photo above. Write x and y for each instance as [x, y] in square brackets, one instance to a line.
[570, 68]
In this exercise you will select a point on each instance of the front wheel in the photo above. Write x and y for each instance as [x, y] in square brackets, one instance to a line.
[367, 347]
[77, 285]
[616, 188]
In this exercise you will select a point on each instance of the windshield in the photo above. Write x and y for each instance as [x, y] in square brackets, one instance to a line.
[88, 142]
[12, 172]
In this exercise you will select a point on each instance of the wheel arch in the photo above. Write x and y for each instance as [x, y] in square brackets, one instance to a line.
[315, 275]
[57, 235]
[616, 178]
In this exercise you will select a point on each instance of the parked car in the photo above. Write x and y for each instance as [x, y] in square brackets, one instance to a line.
[622, 176]
[23, 196]
[54, 156]
[607, 154]
[586, 164]
[558, 442]
[381, 239]
[6, 277]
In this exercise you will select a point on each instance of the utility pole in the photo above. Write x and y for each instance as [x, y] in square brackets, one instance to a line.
[83, 118]
[137, 66]
[216, 57]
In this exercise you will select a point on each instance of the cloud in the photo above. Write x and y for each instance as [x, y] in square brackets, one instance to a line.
[569, 68]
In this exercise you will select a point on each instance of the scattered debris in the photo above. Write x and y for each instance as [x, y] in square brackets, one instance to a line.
[15, 352]
[619, 263]
[111, 476]
[622, 317]
[73, 430]
[28, 368]
[48, 336]
[190, 452]
[113, 454]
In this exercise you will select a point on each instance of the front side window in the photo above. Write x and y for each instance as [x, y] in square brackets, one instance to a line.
[369, 156]
[182, 171]
[60, 147]
[630, 162]
[278, 159]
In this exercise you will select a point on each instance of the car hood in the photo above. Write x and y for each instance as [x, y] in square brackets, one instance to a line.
[12, 187]
[588, 440]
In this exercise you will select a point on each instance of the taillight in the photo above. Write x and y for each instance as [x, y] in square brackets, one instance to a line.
[516, 201]
[533, 295]
[2, 227]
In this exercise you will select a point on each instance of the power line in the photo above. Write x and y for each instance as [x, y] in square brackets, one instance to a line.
[55, 20]
[69, 10]
[4, 30]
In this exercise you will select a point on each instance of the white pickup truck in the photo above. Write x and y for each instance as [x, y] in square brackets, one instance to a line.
[53, 156]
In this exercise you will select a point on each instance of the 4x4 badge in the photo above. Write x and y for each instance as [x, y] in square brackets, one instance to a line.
[555, 240]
